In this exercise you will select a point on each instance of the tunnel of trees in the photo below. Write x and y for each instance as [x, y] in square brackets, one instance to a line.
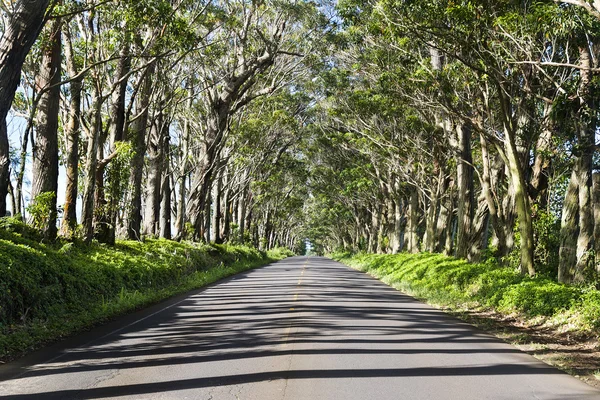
[461, 127]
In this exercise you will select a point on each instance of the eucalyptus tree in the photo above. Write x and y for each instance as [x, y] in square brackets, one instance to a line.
[121, 47]
[467, 42]
[577, 110]
[45, 149]
[265, 137]
[25, 20]
[495, 78]
[72, 133]
[255, 49]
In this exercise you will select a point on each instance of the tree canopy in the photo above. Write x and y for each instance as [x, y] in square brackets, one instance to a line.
[461, 127]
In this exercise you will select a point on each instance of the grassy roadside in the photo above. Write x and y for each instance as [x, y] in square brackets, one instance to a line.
[51, 291]
[558, 324]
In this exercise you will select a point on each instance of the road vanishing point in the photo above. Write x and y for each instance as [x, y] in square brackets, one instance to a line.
[306, 328]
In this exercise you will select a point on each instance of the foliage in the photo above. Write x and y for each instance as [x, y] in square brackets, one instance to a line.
[47, 291]
[452, 282]
[40, 209]
[547, 242]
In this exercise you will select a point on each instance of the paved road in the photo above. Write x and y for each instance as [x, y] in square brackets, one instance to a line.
[303, 328]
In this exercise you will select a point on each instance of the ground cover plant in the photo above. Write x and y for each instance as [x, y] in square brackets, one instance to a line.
[553, 322]
[453, 282]
[51, 290]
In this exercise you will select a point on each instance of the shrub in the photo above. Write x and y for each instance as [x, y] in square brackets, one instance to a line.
[452, 282]
[538, 297]
[12, 228]
[44, 285]
[590, 308]
[40, 209]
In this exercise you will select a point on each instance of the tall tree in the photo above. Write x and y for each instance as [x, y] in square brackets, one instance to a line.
[45, 149]
[26, 20]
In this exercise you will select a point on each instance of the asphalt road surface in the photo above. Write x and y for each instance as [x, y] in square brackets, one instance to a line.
[303, 328]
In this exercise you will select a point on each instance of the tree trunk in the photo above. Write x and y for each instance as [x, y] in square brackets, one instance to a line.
[183, 178]
[228, 208]
[596, 202]
[569, 231]
[382, 230]
[397, 243]
[585, 240]
[19, 35]
[389, 226]
[242, 215]
[117, 109]
[435, 212]
[11, 192]
[444, 219]
[487, 191]
[45, 149]
[479, 230]
[111, 200]
[203, 177]
[216, 213]
[412, 235]
[517, 180]
[541, 165]
[464, 172]
[205, 232]
[91, 169]
[19, 207]
[576, 263]
[72, 132]
[155, 177]
[375, 222]
[165, 207]
[137, 138]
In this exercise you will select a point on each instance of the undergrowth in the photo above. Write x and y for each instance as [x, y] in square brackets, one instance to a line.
[455, 283]
[48, 291]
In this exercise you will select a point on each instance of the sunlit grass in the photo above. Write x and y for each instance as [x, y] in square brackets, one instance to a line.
[48, 291]
[453, 283]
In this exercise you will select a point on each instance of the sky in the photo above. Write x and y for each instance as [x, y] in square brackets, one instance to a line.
[16, 126]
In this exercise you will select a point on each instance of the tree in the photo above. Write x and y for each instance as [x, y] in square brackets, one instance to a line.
[26, 20]
[45, 149]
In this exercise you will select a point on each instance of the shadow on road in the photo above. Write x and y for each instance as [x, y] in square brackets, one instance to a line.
[337, 313]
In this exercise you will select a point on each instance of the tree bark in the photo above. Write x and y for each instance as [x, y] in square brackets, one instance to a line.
[227, 208]
[19, 207]
[569, 231]
[183, 172]
[165, 207]
[242, 215]
[45, 149]
[72, 132]
[203, 177]
[91, 168]
[596, 202]
[464, 173]
[517, 180]
[137, 138]
[216, 214]
[412, 235]
[205, 232]
[107, 219]
[444, 219]
[155, 150]
[541, 166]
[585, 240]
[398, 217]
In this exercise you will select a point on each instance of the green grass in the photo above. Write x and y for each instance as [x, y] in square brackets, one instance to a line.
[48, 291]
[456, 283]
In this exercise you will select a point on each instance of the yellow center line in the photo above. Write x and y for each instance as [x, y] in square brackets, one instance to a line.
[289, 329]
